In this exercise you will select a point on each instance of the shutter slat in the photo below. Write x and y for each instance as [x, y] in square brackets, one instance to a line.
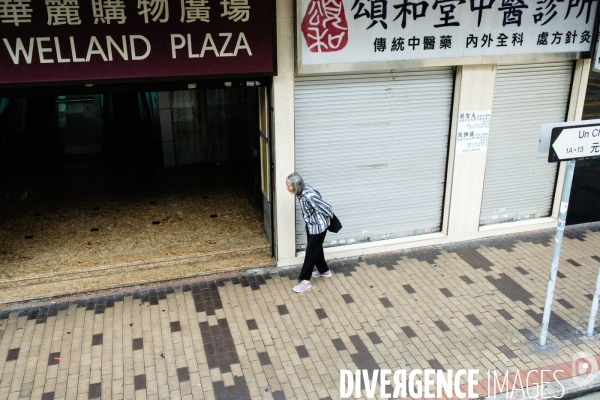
[359, 141]
[518, 184]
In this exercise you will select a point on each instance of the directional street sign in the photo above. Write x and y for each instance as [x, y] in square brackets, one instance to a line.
[575, 143]
[568, 142]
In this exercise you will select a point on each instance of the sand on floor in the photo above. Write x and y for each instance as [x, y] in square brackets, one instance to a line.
[82, 221]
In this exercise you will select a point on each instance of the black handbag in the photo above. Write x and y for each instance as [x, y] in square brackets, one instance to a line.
[334, 225]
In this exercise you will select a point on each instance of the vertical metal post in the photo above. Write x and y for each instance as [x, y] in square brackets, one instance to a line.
[594, 311]
[562, 218]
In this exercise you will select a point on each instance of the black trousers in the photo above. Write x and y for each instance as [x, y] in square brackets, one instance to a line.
[314, 256]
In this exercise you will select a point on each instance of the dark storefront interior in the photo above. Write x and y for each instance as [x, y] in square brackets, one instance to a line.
[84, 184]
[585, 192]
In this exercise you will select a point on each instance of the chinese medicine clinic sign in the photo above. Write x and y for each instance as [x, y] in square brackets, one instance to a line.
[83, 40]
[353, 31]
[473, 131]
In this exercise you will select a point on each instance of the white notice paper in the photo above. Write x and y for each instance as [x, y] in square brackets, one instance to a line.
[473, 131]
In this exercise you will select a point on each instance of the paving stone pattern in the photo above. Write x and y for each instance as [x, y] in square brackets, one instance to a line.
[474, 305]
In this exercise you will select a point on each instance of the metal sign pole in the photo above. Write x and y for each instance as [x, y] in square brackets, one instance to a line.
[562, 217]
[594, 311]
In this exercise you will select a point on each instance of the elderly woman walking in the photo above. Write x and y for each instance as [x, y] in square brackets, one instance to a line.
[317, 215]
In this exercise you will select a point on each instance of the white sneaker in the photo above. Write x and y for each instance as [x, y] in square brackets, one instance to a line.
[301, 287]
[317, 274]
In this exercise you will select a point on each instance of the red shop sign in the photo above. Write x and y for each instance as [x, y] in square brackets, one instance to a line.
[94, 40]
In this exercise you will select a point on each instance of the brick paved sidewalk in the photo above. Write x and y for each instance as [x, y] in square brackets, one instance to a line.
[475, 305]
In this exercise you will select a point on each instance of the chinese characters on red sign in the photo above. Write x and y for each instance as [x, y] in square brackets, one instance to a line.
[45, 40]
[61, 12]
[324, 26]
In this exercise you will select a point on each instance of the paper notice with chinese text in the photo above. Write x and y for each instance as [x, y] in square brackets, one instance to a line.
[473, 131]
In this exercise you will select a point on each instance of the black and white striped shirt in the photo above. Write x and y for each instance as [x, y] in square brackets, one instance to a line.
[316, 212]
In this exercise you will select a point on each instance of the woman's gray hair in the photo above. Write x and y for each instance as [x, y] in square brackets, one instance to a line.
[296, 181]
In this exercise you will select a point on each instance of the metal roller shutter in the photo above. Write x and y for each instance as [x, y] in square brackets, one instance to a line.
[375, 146]
[517, 184]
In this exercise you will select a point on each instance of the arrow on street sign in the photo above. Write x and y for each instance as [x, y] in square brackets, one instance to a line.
[574, 143]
